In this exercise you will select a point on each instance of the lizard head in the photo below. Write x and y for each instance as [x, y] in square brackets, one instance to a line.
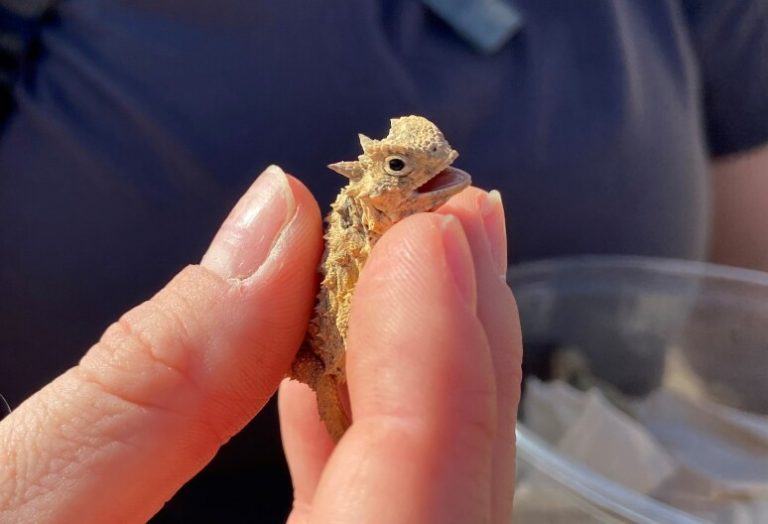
[408, 171]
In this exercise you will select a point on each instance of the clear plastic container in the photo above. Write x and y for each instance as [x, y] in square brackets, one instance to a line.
[641, 324]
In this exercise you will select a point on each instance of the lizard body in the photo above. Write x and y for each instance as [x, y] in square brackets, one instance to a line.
[405, 173]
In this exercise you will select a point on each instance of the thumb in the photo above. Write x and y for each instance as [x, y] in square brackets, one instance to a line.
[150, 404]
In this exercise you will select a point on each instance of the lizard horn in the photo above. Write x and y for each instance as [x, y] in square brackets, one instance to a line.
[366, 143]
[352, 170]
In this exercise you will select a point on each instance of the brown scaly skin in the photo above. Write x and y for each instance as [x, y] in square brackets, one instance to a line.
[405, 173]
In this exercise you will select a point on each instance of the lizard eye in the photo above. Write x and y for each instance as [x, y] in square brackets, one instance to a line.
[396, 166]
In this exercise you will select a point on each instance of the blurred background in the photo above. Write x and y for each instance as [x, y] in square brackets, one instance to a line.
[130, 128]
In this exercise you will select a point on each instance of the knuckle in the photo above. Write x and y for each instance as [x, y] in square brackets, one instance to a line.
[155, 339]
[154, 356]
[169, 329]
[481, 428]
[128, 364]
[114, 400]
[479, 413]
[146, 358]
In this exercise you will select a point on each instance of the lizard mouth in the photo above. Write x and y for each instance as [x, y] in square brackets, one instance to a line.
[447, 182]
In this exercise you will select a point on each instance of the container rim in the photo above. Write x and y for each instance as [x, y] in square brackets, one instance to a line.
[519, 273]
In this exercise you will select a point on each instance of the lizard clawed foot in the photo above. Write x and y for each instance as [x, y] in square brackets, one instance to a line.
[334, 411]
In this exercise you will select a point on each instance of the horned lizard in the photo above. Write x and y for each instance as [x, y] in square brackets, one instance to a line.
[405, 173]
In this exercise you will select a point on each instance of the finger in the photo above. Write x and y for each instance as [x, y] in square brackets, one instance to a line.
[421, 384]
[149, 405]
[482, 217]
[306, 443]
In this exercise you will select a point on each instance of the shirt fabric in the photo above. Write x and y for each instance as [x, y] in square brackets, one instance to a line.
[136, 124]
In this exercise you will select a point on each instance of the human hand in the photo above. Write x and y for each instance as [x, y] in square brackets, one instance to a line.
[150, 404]
[433, 364]
[112, 439]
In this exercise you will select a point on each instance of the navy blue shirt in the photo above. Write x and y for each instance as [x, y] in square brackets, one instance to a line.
[137, 123]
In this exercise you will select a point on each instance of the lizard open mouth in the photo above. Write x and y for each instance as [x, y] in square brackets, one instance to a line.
[450, 180]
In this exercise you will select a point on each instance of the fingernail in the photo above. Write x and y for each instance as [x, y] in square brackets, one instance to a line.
[492, 211]
[459, 258]
[246, 238]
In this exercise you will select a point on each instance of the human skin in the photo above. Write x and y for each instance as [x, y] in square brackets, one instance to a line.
[740, 207]
[434, 375]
